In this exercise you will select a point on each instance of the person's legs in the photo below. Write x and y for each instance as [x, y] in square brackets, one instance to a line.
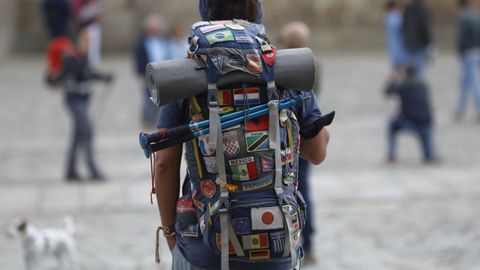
[476, 82]
[75, 139]
[86, 138]
[393, 127]
[465, 83]
[425, 134]
[303, 185]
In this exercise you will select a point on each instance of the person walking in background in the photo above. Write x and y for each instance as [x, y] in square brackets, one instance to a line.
[394, 39]
[152, 46]
[178, 40]
[57, 17]
[296, 34]
[75, 77]
[88, 14]
[414, 114]
[417, 34]
[468, 44]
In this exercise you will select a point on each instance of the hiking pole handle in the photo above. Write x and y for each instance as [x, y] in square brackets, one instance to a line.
[154, 147]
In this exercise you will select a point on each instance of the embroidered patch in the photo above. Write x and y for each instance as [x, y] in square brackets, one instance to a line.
[235, 26]
[243, 169]
[224, 98]
[287, 156]
[258, 123]
[218, 238]
[211, 164]
[257, 141]
[190, 231]
[257, 184]
[256, 255]
[283, 117]
[241, 225]
[267, 218]
[211, 28]
[254, 63]
[267, 164]
[242, 97]
[231, 144]
[220, 36]
[185, 206]
[204, 146]
[208, 188]
[271, 57]
[278, 241]
[227, 109]
[201, 23]
[255, 241]
[217, 61]
[197, 118]
[242, 38]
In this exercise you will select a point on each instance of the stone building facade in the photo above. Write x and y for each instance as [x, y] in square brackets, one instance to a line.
[336, 24]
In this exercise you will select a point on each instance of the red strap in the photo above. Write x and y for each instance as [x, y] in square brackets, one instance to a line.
[152, 173]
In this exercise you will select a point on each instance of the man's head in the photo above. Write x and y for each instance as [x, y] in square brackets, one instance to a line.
[295, 34]
[154, 25]
[215, 10]
[392, 5]
[463, 3]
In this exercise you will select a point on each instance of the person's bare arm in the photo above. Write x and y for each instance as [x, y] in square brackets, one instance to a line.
[167, 184]
[315, 149]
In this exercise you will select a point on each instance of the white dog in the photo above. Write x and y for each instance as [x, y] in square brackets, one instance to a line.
[39, 243]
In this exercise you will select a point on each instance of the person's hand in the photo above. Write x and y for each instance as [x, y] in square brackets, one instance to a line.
[171, 241]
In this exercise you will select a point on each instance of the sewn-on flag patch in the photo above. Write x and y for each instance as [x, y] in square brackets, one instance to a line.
[267, 164]
[255, 241]
[287, 156]
[242, 97]
[220, 36]
[258, 123]
[254, 63]
[224, 97]
[278, 241]
[211, 28]
[267, 218]
[218, 238]
[204, 146]
[185, 206]
[231, 144]
[257, 141]
[263, 254]
[241, 225]
[243, 169]
[242, 38]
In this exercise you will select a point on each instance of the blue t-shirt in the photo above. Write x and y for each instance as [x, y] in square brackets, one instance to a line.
[177, 114]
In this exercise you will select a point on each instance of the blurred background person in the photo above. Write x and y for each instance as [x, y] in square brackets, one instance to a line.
[417, 34]
[152, 46]
[468, 45]
[88, 14]
[57, 17]
[415, 114]
[75, 77]
[296, 34]
[394, 40]
[178, 39]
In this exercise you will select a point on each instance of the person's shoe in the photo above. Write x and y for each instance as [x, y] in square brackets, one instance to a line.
[72, 177]
[457, 118]
[391, 160]
[308, 259]
[432, 161]
[98, 177]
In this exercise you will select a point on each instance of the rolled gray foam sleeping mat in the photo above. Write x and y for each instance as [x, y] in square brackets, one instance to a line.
[172, 80]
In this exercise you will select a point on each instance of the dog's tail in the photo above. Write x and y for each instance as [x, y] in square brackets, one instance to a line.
[69, 225]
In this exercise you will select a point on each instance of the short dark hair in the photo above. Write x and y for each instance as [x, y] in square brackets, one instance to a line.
[232, 9]
[390, 5]
[463, 3]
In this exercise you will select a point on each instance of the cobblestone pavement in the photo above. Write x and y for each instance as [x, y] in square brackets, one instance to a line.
[368, 215]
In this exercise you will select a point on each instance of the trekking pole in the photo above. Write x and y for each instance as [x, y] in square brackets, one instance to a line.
[149, 145]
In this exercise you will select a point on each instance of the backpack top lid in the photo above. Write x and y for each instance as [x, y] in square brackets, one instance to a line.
[233, 46]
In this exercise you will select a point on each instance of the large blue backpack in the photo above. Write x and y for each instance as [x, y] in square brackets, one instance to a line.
[242, 196]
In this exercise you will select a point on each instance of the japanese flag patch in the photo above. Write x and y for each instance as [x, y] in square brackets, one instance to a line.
[267, 218]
